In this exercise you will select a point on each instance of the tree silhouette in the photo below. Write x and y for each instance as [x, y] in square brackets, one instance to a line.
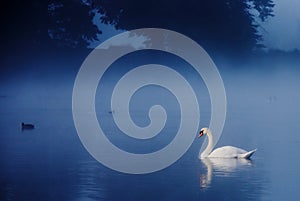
[229, 25]
[70, 23]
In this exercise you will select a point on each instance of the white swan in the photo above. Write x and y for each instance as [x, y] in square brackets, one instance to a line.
[222, 152]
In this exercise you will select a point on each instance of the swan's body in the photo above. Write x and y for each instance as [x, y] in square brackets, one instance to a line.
[222, 152]
[230, 152]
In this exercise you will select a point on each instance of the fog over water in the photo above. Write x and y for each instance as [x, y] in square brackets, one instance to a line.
[44, 45]
[50, 162]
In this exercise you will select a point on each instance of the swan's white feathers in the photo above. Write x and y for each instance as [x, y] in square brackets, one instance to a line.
[230, 152]
[222, 152]
[248, 154]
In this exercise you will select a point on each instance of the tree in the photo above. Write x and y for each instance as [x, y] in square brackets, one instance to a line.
[71, 23]
[229, 25]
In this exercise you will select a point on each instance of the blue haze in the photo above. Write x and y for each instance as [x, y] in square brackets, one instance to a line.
[50, 163]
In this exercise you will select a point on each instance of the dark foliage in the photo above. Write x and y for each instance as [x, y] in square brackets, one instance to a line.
[70, 23]
[218, 25]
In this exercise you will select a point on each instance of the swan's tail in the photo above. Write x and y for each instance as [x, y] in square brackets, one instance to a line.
[248, 154]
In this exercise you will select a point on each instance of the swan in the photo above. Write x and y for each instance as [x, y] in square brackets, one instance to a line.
[222, 152]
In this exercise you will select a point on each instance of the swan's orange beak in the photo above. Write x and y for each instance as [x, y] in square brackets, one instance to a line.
[200, 134]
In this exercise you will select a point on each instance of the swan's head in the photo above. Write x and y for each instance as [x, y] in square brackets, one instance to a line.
[202, 132]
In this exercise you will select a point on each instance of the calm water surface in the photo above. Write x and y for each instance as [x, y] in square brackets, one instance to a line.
[50, 163]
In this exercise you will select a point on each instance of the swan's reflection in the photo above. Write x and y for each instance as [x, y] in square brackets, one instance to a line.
[221, 167]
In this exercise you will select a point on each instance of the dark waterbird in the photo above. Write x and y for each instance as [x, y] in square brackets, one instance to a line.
[27, 126]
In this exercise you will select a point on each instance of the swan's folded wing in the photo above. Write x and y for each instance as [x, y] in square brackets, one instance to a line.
[227, 152]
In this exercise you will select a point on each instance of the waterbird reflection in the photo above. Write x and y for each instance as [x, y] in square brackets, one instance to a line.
[222, 167]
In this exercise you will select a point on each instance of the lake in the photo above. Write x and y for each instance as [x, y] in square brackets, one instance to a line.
[50, 162]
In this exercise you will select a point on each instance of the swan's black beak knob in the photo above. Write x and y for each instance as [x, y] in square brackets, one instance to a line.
[201, 134]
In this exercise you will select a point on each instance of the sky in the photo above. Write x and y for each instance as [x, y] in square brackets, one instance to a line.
[283, 30]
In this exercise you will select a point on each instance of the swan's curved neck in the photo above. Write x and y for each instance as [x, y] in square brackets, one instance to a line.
[210, 145]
